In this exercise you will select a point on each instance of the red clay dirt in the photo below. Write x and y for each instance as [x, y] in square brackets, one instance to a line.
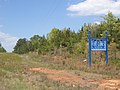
[65, 77]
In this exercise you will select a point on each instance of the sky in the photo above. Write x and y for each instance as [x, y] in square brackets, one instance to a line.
[25, 18]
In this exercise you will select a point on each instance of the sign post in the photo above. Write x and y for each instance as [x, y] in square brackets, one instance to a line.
[106, 48]
[89, 51]
[96, 44]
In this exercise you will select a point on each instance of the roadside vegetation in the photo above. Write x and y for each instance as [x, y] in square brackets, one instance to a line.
[69, 40]
[70, 44]
[15, 72]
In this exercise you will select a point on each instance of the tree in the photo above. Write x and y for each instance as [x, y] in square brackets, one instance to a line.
[39, 44]
[35, 42]
[43, 45]
[116, 33]
[55, 37]
[22, 46]
[2, 49]
[109, 25]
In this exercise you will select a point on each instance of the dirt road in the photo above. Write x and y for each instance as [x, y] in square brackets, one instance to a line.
[66, 77]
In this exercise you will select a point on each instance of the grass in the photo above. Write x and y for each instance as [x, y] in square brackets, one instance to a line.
[116, 62]
[10, 72]
[75, 63]
[15, 74]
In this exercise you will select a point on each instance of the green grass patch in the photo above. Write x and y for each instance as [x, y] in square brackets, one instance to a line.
[116, 62]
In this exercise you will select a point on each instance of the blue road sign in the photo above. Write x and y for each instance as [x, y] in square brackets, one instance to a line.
[96, 44]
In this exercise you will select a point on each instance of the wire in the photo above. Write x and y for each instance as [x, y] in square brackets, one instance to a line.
[56, 6]
[51, 11]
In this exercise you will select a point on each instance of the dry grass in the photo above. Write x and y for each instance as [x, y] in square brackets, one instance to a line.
[15, 74]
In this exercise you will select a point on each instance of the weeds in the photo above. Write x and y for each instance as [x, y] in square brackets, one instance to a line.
[15, 74]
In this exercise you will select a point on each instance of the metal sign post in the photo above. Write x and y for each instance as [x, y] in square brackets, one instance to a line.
[96, 44]
[106, 48]
[89, 52]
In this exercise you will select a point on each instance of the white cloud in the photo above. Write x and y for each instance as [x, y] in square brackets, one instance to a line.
[94, 7]
[97, 22]
[8, 41]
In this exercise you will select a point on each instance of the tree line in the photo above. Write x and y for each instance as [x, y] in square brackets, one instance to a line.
[74, 42]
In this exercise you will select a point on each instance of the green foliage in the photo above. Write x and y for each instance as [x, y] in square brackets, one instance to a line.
[2, 49]
[35, 41]
[74, 42]
[116, 62]
[62, 38]
[43, 45]
[22, 46]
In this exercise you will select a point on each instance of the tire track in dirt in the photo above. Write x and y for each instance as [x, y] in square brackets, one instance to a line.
[65, 77]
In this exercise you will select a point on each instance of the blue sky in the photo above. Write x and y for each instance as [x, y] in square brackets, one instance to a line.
[25, 18]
